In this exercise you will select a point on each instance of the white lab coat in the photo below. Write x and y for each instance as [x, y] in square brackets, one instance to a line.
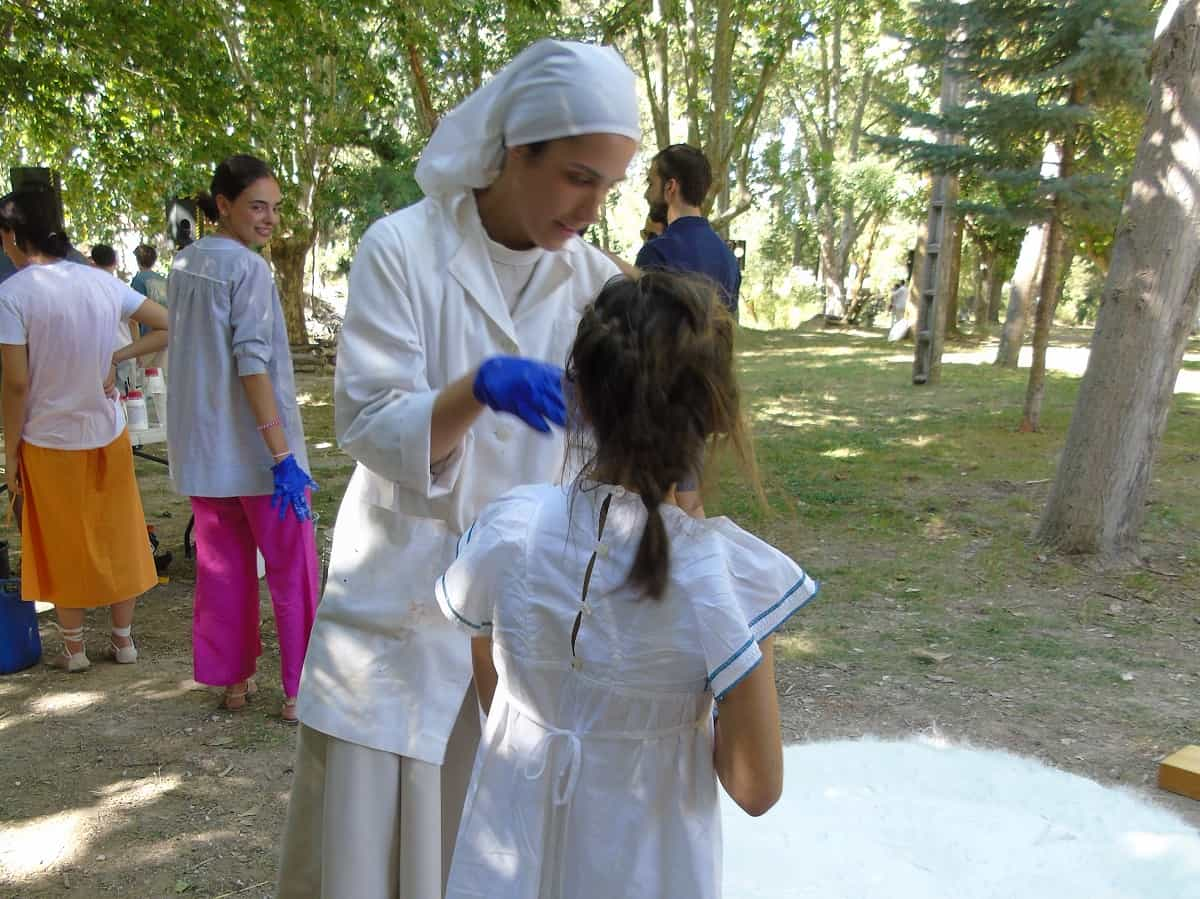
[384, 668]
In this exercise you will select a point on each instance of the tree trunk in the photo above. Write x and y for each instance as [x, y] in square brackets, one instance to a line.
[1058, 259]
[995, 291]
[720, 100]
[1020, 297]
[693, 66]
[857, 298]
[956, 248]
[288, 257]
[1098, 500]
[426, 115]
[1052, 280]
[985, 269]
[663, 53]
[833, 279]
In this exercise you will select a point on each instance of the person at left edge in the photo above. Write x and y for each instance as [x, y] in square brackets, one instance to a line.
[461, 311]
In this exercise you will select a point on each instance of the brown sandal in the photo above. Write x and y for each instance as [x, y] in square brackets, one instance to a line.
[234, 699]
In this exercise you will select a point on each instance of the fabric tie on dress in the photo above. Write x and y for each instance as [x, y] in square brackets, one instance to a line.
[566, 771]
[567, 768]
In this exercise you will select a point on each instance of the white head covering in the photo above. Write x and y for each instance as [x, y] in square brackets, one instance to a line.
[552, 89]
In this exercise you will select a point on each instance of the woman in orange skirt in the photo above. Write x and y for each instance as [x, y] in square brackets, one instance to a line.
[67, 453]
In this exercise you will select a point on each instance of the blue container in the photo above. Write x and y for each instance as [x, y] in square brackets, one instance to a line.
[20, 645]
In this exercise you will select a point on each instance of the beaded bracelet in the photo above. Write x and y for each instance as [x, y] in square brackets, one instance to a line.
[273, 423]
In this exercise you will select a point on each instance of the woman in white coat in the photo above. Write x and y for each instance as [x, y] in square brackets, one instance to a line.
[444, 397]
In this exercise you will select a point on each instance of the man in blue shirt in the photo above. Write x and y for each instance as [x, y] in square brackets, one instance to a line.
[680, 177]
[6, 267]
[147, 281]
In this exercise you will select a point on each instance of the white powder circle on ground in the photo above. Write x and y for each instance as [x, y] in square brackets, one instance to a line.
[922, 819]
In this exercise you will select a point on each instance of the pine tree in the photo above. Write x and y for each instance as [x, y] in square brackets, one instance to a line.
[1035, 73]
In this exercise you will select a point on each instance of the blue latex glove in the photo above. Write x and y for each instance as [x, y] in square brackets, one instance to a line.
[290, 483]
[526, 388]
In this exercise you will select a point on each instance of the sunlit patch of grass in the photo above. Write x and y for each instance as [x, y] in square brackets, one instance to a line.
[842, 452]
[796, 645]
[914, 505]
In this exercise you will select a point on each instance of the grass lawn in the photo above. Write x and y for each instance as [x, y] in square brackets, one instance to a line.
[914, 506]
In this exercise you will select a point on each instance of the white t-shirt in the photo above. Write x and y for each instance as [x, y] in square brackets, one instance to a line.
[513, 270]
[67, 315]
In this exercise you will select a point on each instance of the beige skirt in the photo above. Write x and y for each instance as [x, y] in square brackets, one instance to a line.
[373, 825]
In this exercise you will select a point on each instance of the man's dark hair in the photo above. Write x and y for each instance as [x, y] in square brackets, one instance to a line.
[104, 255]
[146, 256]
[689, 167]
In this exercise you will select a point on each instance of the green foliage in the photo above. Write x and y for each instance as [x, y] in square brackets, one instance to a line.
[1081, 293]
[1021, 63]
[1032, 73]
[828, 190]
[134, 102]
[359, 192]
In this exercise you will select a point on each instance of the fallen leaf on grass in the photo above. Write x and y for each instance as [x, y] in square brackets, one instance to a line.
[182, 886]
[930, 656]
[220, 741]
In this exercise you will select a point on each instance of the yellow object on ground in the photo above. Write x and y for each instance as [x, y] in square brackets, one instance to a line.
[1180, 772]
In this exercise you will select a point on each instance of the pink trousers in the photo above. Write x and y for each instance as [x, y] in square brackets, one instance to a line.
[225, 637]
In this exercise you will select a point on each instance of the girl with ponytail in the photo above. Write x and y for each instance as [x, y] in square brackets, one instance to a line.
[607, 622]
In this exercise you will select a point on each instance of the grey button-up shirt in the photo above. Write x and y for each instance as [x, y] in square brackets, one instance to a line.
[226, 322]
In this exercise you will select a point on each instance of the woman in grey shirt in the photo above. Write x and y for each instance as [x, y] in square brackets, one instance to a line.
[236, 439]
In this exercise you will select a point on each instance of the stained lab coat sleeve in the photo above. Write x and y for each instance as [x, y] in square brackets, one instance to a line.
[383, 402]
[252, 317]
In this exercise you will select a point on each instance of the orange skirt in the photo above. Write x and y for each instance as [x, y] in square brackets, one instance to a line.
[83, 532]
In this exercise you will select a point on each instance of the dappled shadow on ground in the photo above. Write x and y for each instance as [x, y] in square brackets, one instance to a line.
[915, 506]
[127, 779]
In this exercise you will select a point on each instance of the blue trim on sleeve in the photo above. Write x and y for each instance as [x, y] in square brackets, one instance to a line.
[800, 583]
[755, 639]
[441, 585]
[785, 618]
[718, 697]
[729, 661]
[464, 540]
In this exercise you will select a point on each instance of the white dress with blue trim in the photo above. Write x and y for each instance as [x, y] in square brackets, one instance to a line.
[594, 778]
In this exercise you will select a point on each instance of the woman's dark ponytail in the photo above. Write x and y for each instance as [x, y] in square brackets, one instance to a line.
[232, 177]
[208, 205]
[31, 213]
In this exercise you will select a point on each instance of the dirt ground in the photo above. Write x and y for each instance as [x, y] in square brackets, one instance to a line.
[128, 780]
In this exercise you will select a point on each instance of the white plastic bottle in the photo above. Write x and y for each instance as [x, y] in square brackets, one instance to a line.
[156, 392]
[135, 409]
[154, 382]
